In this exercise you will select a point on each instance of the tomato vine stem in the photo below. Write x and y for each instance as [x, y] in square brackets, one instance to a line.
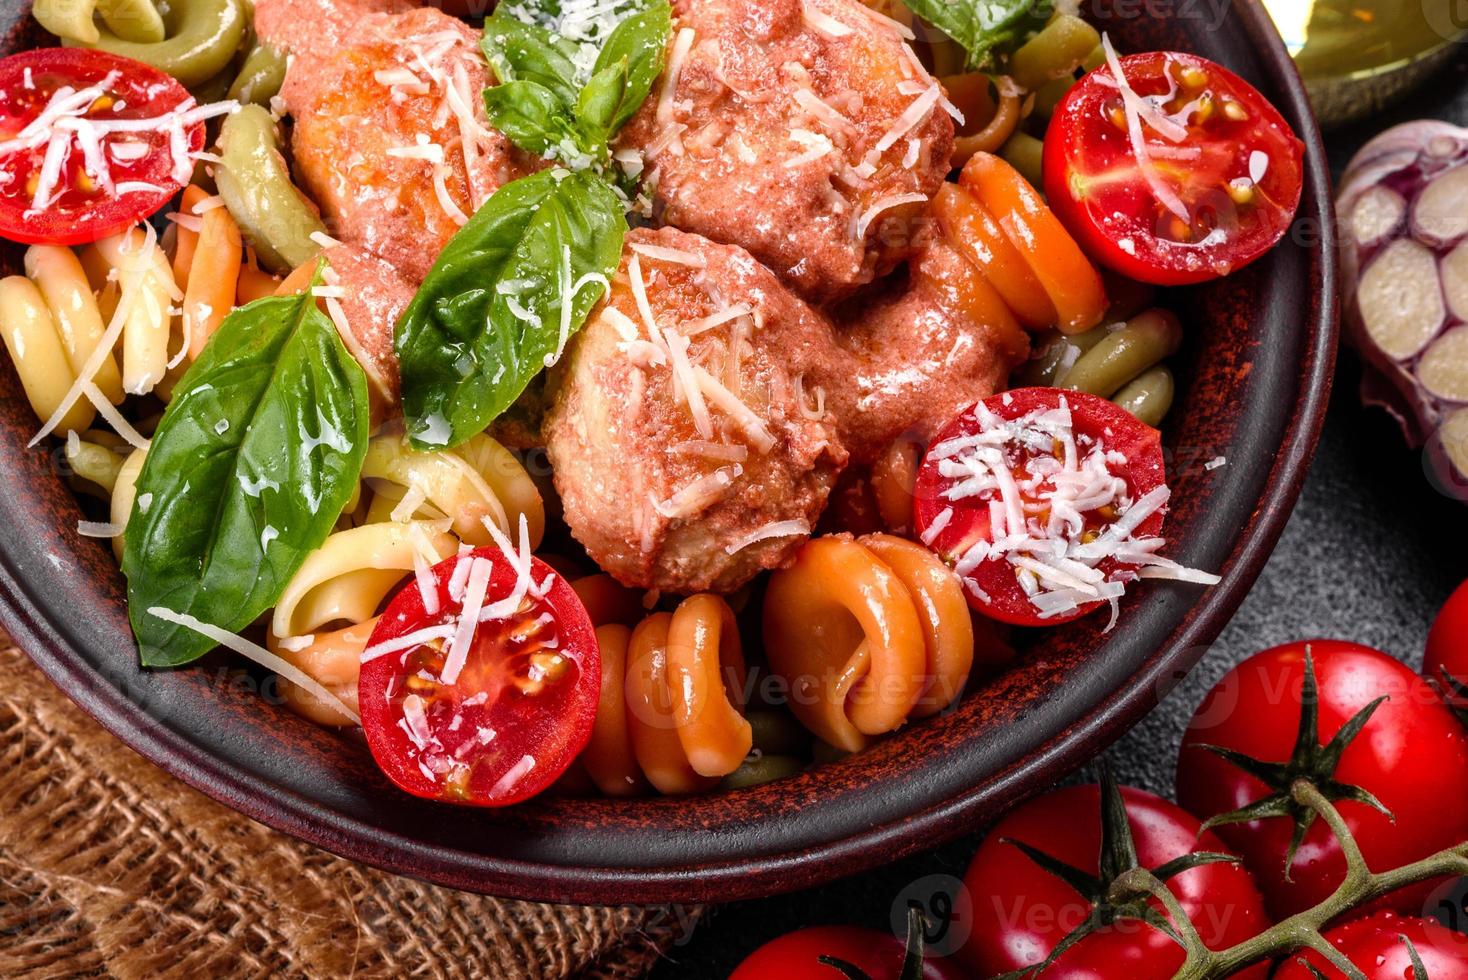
[1303, 929]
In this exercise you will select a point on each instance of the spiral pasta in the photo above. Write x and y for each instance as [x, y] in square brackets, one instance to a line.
[333, 660]
[1121, 361]
[867, 633]
[1000, 224]
[670, 714]
[479, 480]
[193, 40]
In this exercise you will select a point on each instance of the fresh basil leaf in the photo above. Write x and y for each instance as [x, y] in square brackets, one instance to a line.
[588, 84]
[531, 116]
[986, 29]
[599, 103]
[257, 454]
[641, 42]
[489, 314]
[526, 52]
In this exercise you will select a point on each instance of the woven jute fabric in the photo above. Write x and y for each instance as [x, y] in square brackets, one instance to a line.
[110, 867]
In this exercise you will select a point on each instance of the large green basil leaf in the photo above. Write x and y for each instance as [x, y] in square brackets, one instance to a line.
[986, 29]
[489, 315]
[259, 451]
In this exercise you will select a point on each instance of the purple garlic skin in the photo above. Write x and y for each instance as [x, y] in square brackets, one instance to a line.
[1403, 211]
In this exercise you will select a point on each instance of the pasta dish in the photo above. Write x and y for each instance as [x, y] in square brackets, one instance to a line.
[617, 396]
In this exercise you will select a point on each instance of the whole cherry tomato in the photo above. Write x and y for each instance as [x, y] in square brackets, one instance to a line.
[797, 956]
[1447, 644]
[1382, 946]
[1248, 745]
[1039, 877]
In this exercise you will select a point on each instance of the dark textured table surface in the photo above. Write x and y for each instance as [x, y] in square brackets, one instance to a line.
[1369, 555]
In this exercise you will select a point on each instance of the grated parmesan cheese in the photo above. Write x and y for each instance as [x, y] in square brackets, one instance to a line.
[780, 529]
[253, 651]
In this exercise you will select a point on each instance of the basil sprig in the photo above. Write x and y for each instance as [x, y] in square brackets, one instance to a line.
[489, 316]
[257, 455]
[986, 29]
[553, 100]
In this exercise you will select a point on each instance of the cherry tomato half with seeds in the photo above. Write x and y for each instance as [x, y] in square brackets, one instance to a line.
[797, 956]
[1447, 644]
[1224, 179]
[1410, 756]
[953, 521]
[1381, 946]
[495, 720]
[57, 187]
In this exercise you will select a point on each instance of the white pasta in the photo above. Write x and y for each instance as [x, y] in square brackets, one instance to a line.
[58, 274]
[148, 291]
[40, 359]
[346, 579]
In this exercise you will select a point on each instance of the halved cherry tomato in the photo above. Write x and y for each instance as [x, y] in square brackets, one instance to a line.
[1447, 644]
[1067, 276]
[517, 713]
[1378, 945]
[797, 956]
[954, 525]
[59, 188]
[1224, 181]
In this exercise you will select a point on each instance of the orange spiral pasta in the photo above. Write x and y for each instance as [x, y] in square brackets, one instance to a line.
[1003, 227]
[671, 709]
[867, 633]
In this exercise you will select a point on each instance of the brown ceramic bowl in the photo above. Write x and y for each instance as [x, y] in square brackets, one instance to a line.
[1254, 390]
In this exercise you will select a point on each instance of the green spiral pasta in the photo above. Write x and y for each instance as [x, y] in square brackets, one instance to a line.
[760, 769]
[1144, 342]
[200, 36]
[256, 186]
[1119, 361]
[1055, 52]
[260, 77]
[1150, 396]
[74, 20]
[1026, 154]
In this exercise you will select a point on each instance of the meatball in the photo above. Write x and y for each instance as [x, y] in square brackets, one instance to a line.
[316, 28]
[920, 352]
[686, 454]
[391, 139]
[374, 296]
[805, 131]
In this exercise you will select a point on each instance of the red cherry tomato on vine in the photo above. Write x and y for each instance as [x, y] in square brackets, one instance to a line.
[796, 956]
[1376, 945]
[494, 721]
[1224, 181]
[1022, 911]
[58, 188]
[1447, 644]
[954, 525]
[1410, 756]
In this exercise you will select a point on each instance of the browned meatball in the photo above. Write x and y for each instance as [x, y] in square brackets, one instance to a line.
[676, 445]
[316, 28]
[919, 353]
[374, 296]
[391, 139]
[805, 131]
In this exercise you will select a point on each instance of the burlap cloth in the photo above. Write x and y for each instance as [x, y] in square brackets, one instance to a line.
[110, 867]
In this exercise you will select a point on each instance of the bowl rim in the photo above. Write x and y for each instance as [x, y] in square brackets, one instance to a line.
[883, 841]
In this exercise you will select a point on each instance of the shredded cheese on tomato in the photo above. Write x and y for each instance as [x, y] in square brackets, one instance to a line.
[1053, 553]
